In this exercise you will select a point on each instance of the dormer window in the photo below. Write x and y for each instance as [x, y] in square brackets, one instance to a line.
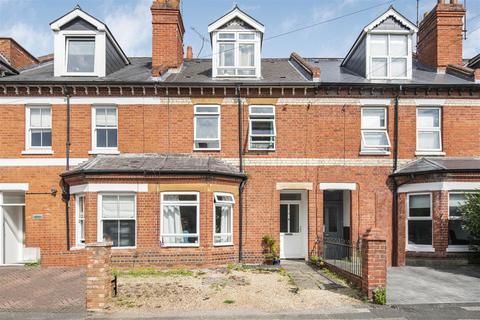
[84, 47]
[236, 54]
[389, 56]
[383, 51]
[236, 45]
[80, 55]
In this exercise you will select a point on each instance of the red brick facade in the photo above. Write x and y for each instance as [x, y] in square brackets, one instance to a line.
[16, 55]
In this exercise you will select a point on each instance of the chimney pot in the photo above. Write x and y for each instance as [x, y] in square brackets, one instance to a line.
[189, 53]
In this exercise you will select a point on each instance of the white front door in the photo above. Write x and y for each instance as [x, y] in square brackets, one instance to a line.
[11, 234]
[293, 225]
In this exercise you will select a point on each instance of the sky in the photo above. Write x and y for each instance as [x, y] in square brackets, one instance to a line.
[130, 21]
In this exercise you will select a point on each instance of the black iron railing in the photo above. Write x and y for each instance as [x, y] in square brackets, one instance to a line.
[342, 254]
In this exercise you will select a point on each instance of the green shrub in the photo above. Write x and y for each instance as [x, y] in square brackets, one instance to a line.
[270, 247]
[380, 296]
[315, 259]
[471, 217]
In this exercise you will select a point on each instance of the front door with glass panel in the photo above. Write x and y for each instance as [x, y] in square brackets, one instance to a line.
[292, 226]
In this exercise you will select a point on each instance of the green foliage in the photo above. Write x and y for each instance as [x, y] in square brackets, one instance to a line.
[228, 301]
[380, 296]
[32, 264]
[152, 272]
[270, 247]
[471, 214]
[314, 259]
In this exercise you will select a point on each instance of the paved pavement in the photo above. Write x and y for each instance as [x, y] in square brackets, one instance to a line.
[43, 291]
[305, 277]
[427, 285]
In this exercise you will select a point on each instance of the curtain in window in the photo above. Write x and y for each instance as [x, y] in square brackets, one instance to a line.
[172, 223]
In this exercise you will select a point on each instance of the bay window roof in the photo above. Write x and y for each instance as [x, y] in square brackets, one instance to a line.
[236, 45]
[383, 50]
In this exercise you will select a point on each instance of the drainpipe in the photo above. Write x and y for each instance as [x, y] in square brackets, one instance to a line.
[242, 184]
[65, 186]
[394, 187]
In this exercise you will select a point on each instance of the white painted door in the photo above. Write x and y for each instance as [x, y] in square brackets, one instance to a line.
[12, 234]
[292, 227]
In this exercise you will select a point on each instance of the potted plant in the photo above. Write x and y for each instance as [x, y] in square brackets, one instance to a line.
[270, 251]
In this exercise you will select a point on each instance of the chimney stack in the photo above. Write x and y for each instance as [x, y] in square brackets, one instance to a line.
[167, 36]
[440, 37]
[189, 53]
[15, 54]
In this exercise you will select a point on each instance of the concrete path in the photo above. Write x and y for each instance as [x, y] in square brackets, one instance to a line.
[426, 285]
[42, 290]
[305, 277]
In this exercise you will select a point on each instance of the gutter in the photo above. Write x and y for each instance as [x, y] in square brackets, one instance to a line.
[152, 172]
[242, 184]
[395, 187]
[65, 185]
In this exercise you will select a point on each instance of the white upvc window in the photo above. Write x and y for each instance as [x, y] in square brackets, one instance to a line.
[117, 219]
[180, 219]
[223, 219]
[419, 222]
[105, 129]
[206, 127]
[429, 133]
[80, 220]
[389, 56]
[80, 54]
[374, 133]
[236, 54]
[262, 129]
[458, 237]
[39, 129]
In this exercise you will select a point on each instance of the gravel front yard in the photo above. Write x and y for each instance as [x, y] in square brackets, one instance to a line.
[229, 288]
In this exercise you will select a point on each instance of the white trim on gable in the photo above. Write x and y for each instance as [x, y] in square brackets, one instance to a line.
[76, 13]
[236, 13]
[391, 13]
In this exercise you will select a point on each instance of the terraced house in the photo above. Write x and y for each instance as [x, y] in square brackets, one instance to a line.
[183, 161]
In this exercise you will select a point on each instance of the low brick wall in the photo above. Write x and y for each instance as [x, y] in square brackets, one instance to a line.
[374, 261]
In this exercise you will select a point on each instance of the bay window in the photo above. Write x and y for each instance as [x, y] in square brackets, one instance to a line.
[207, 127]
[223, 219]
[117, 219]
[262, 131]
[80, 223]
[374, 133]
[389, 56]
[180, 219]
[429, 137]
[419, 221]
[457, 234]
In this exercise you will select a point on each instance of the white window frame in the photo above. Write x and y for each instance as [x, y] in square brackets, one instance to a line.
[457, 248]
[179, 203]
[29, 149]
[370, 57]
[383, 150]
[256, 42]
[103, 150]
[428, 129]
[78, 235]
[199, 114]
[100, 218]
[419, 247]
[262, 117]
[216, 204]
[61, 39]
[67, 56]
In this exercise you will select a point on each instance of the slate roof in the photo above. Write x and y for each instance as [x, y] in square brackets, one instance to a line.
[439, 165]
[275, 71]
[154, 163]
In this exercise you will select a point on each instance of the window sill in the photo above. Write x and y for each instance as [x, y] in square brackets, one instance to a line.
[420, 248]
[180, 245]
[123, 248]
[230, 244]
[77, 248]
[106, 151]
[37, 151]
[207, 150]
[375, 153]
[430, 153]
[459, 249]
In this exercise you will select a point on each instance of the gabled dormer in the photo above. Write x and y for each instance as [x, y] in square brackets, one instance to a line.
[383, 50]
[236, 45]
[84, 46]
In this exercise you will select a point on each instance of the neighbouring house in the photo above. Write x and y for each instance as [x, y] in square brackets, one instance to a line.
[184, 161]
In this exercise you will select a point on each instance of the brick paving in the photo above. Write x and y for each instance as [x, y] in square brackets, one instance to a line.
[25, 289]
[305, 277]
